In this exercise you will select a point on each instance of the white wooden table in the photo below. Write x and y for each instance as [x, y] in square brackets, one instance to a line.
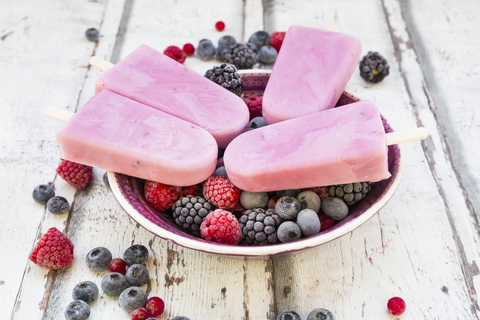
[422, 246]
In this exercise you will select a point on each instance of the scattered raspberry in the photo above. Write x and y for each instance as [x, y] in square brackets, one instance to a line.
[220, 163]
[139, 314]
[53, 251]
[254, 104]
[276, 40]
[190, 190]
[396, 306]
[117, 265]
[322, 192]
[272, 202]
[188, 48]
[77, 175]
[220, 25]
[175, 53]
[220, 192]
[161, 196]
[221, 226]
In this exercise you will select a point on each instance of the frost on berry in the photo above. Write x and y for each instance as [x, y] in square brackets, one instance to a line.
[161, 196]
[53, 251]
[221, 192]
[221, 226]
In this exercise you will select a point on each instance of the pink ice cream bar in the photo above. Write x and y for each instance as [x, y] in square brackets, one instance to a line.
[311, 71]
[342, 145]
[122, 135]
[152, 78]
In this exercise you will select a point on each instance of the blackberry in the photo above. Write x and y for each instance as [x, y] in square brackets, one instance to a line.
[351, 193]
[240, 56]
[373, 67]
[226, 76]
[259, 227]
[189, 212]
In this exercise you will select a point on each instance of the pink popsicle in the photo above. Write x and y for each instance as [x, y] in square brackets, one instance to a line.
[152, 78]
[311, 71]
[341, 145]
[122, 135]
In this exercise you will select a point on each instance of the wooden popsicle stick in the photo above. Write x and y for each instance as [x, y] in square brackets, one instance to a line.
[59, 114]
[100, 63]
[406, 135]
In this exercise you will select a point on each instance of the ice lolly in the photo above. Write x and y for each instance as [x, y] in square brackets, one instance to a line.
[342, 145]
[152, 78]
[310, 73]
[121, 135]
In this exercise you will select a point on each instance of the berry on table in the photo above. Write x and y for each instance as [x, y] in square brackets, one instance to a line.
[226, 41]
[58, 205]
[254, 104]
[267, 55]
[179, 318]
[396, 306]
[289, 315]
[190, 190]
[276, 40]
[54, 250]
[75, 174]
[161, 196]
[256, 123]
[92, 34]
[220, 25]
[86, 291]
[259, 227]
[175, 53]
[189, 49]
[139, 314]
[77, 310]
[132, 298]
[136, 254]
[250, 200]
[309, 200]
[206, 49]
[42, 193]
[334, 208]
[260, 39]
[288, 231]
[114, 283]
[320, 314]
[137, 275]
[189, 212]
[287, 207]
[308, 222]
[221, 226]
[226, 76]
[98, 259]
[155, 307]
[373, 67]
[221, 192]
[117, 265]
[240, 56]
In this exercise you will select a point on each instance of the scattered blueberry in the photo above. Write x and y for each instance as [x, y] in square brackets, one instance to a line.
[287, 207]
[105, 179]
[86, 291]
[137, 275]
[206, 49]
[309, 222]
[92, 34]
[320, 314]
[132, 298]
[256, 122]
[267, 55]
[136, 254]
[220, 52]
[251, 200]
[179, 318]
[114, 283]
[309, 200]
[98, 259]
[288, 193]
[42, 193]
[77, 310]
[260, 39]
[289, 315]
[335, 208]
[58, 205]
[288, 231]
[226, 41]
[220, 172]
[252, 46]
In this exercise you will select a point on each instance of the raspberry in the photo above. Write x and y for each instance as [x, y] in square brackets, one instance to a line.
[175, 53]
[322, 192]
[220, 192]
[161, 196]
[326, 224]
[188, 48]
[54, 250]
[220, 25]
[396, 306]
[77, 175]
[190, 190]
[276, 40]
[254, 104]
[221, 226]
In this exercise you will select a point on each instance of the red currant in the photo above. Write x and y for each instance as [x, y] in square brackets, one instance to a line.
[188, 48]
[117, 265]
[272, 202]
[155, 306]
[139, 314]
[396, 306]
[220, 25]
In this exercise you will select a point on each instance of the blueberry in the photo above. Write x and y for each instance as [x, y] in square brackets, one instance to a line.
[260, 39]
[320, 314]
[92, 34]
[252, 46]
[98, 259]
[287, 207]
[105, 179]
[308, 222]
[205, 49]
[220, 52]
[137, 275]
[226, 41]
[335, 208]
[256, 122]
[179, 318]
[267, 55]
[309, 200]
[251, 200]
[132, 298]
[289, 315]
[136, 254]
[220, 172]
[288, 193]
[77, 310]
[114, 283]
[86, 291]
[288, 231]
[58, 205]
[42, 193]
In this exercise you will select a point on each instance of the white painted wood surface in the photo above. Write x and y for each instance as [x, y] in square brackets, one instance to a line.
[422, 246]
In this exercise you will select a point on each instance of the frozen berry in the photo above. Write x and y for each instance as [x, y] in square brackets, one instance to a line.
[288, 231]
[117, 265]
[220, 25]
[289, 315]
[322, 192]
[308, 222]
[77, 310]
[220, 52]
[226, 75]
[114, 283]
[206, 49]
[190, 190]
[98, 259]
[309, 200]
[335, 208]
[276, 40]
[250, 200]
[287, 207]
[251, 46]
[54, 250]
[42, 193]
[260, 39]
[220, 172]
[136, 254]
[175, 53]
[320, 314]
[137, 275]
[226, 41]
[189, 49]
[86, 291]
[161, 196]
[240, 56]
[254, 104]
[267, 55]
[373, 67]
[58, 205]
[139, 314]
[272, 202]
[179, 318]
[255, 123]
[288, 193]
[75, 174]
[221, 226]
[92, 34]
[327, 224]
[105, 179]
[132, 298]
[220, 192]
[155, 307]
[220, 163]
[396, 306]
